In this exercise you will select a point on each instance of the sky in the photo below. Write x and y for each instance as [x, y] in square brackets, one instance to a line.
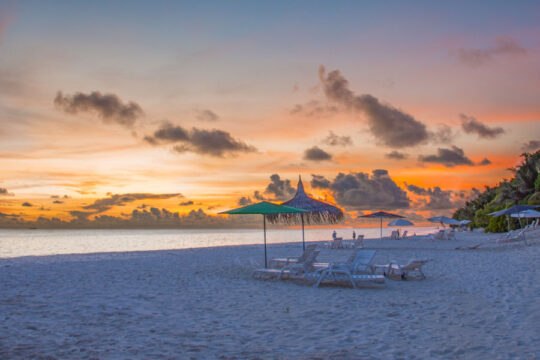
[164, 113]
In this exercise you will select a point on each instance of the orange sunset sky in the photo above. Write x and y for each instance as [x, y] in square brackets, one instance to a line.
[165, 113]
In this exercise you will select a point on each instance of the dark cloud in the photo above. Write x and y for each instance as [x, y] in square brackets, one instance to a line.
[447, 157]
[105, 204]
[58, 202]
[186, 203]
[437, 199]
[336, 140]
[279, 189]
[316, 154]
[27, 204]
[258, 196]
[108, 106]
[396, 155]
[532, 145]
[470, 125]
[5, 192]
[206, 115]
[213, 142]
[360, 191]
[477, 57]
[314, 109]
[391, 126]
[244, 200]
[319, 182]
[486, 161]
[443, 134]
[55, 196]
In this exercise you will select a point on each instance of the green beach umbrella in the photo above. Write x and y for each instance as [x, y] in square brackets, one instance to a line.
[264, 208]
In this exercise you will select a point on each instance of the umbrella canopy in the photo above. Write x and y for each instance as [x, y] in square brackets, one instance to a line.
[464, 222]
[400, 222]
[381, 215]
[444, 220]
[317, 212]
[263, 208]
[513, 210]
[526, 214]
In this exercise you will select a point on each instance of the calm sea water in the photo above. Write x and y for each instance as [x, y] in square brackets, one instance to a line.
[15, 243]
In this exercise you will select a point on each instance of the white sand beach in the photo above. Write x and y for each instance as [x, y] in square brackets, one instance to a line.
[204, 304]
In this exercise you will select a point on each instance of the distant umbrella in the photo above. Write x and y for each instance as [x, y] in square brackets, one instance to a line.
[381, 215]
[265, 209]
[317, 212]
[513, 210]
[400, 222]
[444, 220]
[464, 222]
[526, 214]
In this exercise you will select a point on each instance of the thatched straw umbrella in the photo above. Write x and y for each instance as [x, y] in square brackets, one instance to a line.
[318, 212]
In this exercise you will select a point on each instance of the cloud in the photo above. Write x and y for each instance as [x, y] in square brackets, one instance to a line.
[279, 189]
[360, 191]
[206, 115]
[532, 145]
[58, 202]
[245, 200]
[102, 205]
[470, 125]
[336, 140]
[27, 204]
[447, 157]
[486, 161]
[392, 127]
[478, 57]
[443, 134]
[396, 155]
[316, 154]
[186, 203]
[314, 109]
[319, 182]
[5, 192]
[108, 106]
[213, 142]
[437, 199]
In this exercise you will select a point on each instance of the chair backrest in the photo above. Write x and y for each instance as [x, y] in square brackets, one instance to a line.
[310, 260]
[364, 256]
[337, 243]
[404, 234]
[414, 264]
[309, 249]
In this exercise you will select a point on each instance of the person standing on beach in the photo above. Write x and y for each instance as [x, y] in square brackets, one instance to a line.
[354, 235]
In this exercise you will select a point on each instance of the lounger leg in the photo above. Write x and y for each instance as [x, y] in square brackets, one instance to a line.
[321, 278]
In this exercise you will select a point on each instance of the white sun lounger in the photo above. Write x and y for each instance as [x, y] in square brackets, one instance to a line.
[282, 262]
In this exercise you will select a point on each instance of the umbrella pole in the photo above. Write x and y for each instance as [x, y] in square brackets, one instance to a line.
[303, 241]
[381, 228]
[508, 221]
[264, 227]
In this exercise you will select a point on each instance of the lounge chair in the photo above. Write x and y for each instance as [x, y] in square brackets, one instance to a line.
[290, 271]
[337, 244]
[394, 235]
[357, 269]
[282, 262]
[358, 243]
[404, 235]
[410, 271]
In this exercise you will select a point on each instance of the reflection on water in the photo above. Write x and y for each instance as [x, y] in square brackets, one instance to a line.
[14, 243]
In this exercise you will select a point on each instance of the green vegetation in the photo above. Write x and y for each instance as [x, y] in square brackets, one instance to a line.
[523, 188]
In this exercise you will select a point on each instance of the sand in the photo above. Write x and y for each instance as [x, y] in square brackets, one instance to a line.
[204, 304]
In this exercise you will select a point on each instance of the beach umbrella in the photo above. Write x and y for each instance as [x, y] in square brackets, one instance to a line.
[513, 210]
[464, 222]
[265, 209]
[382, 215]
[317, 212]
[444, 220]
[400, 222]
[526, 214]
